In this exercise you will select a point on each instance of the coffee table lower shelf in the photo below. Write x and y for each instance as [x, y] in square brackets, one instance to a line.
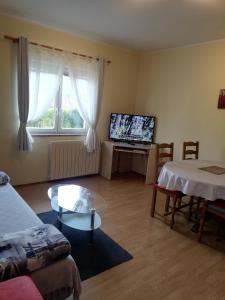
[81, 221]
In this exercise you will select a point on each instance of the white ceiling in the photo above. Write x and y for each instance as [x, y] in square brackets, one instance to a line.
[134, 24]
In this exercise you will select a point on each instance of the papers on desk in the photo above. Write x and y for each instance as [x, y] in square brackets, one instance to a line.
[214, 170]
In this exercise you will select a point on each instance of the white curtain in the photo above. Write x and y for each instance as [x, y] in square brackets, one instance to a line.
[46, 67]
[24, 138]
[39, 86]
[87, 80]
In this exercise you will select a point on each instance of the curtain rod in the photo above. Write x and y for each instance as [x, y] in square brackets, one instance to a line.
[15, 40]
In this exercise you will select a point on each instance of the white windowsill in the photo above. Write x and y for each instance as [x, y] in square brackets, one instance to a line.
[58, 134]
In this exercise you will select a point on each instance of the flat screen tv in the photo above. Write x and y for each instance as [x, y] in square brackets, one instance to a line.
[131, 128]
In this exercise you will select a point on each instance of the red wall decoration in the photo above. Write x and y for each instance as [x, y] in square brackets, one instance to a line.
[221, 100]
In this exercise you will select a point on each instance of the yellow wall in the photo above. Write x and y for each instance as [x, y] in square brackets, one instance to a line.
[118, 94]
[181, 87]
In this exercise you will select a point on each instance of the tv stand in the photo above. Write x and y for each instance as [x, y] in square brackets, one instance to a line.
[120, 157]
[129, 143]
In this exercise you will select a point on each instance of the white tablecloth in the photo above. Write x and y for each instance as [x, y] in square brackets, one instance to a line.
[186, 177]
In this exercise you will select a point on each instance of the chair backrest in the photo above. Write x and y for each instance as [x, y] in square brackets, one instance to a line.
[190, 150]
[164, 153]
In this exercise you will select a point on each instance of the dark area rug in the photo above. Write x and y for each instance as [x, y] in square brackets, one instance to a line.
[91, 259]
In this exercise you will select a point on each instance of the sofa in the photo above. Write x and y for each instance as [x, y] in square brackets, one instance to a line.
[55, 281]
[19, 288]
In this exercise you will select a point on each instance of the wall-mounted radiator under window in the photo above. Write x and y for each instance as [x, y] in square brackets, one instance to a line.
[71, 159]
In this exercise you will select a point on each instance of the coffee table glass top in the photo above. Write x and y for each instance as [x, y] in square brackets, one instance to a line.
[75, 198]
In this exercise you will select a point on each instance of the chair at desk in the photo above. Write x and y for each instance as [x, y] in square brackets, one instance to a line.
[190, 150]
[164, 153]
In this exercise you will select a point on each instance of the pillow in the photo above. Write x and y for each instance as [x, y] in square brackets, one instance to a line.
[4, 178]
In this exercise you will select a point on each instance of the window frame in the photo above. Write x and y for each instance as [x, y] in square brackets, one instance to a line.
[58, 130]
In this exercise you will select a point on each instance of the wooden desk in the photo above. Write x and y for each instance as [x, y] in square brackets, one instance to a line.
[118, 157]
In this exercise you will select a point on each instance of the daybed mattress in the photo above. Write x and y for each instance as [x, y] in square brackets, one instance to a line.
[54, 281]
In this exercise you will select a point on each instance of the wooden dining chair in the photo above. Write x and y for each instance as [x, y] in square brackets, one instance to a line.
[190, 150]
[164, 153]
[216, 207]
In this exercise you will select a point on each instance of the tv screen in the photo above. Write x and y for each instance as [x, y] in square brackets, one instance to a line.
[131, 128]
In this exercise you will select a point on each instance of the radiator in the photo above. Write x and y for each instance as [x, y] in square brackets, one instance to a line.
[71, 159]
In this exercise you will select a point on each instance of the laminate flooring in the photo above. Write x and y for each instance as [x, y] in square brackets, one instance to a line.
[166, 264]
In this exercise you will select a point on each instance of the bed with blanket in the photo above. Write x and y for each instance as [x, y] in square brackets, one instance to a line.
[52, 269]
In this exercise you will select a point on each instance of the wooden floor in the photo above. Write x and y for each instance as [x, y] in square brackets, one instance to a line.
[166, 264]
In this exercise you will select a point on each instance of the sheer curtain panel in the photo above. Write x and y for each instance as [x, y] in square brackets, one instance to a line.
[40, 73]
[87, 80]
[24, 139]
[46, 67]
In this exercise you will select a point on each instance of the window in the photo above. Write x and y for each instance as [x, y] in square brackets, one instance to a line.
[62, 116]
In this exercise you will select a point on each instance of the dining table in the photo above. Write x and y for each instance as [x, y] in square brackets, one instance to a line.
[199, 178]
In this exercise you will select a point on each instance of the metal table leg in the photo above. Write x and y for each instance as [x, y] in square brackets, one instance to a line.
[59, 218]
[93, 210]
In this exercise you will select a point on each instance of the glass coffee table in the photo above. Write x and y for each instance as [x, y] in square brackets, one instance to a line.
[76, 206]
